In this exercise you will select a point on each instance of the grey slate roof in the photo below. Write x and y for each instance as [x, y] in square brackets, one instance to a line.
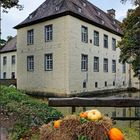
[10, 46]
[55, 8]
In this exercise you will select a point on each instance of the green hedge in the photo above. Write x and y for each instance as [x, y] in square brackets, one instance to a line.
[29, 112]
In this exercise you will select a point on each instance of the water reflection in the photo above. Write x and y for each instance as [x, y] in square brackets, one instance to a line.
[113, 111]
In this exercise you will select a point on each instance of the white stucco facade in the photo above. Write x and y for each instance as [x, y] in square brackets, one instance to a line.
[9, 67]
[67, 48]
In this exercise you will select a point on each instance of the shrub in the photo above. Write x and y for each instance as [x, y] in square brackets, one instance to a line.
[29, 112]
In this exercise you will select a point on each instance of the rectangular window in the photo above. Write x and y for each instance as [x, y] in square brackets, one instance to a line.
[13, 59]
[13, 75]
[105, 67]
[114, 83]
[4, 75]
[84, 34]
[84, 62]
[124, 67]
[48, 62]
[105, 83]
[96, 64]
[84, 84]
[4, 60]
[114, 66]
[113, 44]
[123, 83]
[30, 63]
[96, 38]
[105, 41]
[96, 84]
[30, 37]
[48, 33]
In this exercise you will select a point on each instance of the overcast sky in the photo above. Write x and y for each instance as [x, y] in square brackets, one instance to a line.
[14, 16]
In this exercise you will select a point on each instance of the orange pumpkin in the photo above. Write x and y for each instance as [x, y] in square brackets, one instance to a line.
[83, 114]
[115, 134]
[57, 123]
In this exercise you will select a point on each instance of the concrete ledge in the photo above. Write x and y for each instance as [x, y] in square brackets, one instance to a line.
[101, 93]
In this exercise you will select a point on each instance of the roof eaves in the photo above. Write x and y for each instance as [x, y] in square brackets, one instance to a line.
[42, 20]
[8, 51]
[68, 13]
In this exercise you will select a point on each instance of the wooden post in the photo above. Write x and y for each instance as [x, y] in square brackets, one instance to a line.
[84, 109]
[73, 110]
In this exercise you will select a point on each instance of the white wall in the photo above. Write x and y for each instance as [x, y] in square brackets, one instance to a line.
[8, 67]
[55, 81]
[67, 48]
[76, 48]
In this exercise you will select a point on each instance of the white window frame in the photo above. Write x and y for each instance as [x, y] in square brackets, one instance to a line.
[4, 75]
[84, 62]
[48, 62]
[13, 75]
[30, 37]
[4, 60]
[96, 64]
[123, 67]
[48, 33]
[113, 44]
[96, 38]
[114, 66]
[84, 34]
[13, 59]
[105, 65]
[105, 41]
[30, 63]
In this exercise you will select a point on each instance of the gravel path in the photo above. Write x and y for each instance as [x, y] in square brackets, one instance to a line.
[3, 134]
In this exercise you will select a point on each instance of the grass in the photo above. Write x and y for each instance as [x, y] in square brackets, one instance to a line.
[27, 113]
[131, 133]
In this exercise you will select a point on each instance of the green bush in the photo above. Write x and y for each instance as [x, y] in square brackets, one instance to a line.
[29, 112]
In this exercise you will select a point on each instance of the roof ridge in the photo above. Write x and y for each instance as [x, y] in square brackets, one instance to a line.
[82, 9]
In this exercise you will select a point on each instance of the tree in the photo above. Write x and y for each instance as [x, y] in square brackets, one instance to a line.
[2, 43]
[130, 44]
[7, 4]
[134, 2]
[9, 38]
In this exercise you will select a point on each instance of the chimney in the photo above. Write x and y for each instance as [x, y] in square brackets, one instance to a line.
[111, 13]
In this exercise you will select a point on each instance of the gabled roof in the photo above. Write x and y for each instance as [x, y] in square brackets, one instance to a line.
[10, 46]
[81, 9]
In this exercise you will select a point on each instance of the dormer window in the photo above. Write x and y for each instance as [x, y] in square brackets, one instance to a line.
[30, 16]
[84, 4]
[118, 30]
[114, 22]
[103, 22]
[56, 8]
[79, 10]
[99, 13]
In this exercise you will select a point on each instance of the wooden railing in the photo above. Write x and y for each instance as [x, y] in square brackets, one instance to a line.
[96, 102]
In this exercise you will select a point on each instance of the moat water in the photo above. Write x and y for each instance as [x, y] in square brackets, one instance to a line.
[113, 111]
